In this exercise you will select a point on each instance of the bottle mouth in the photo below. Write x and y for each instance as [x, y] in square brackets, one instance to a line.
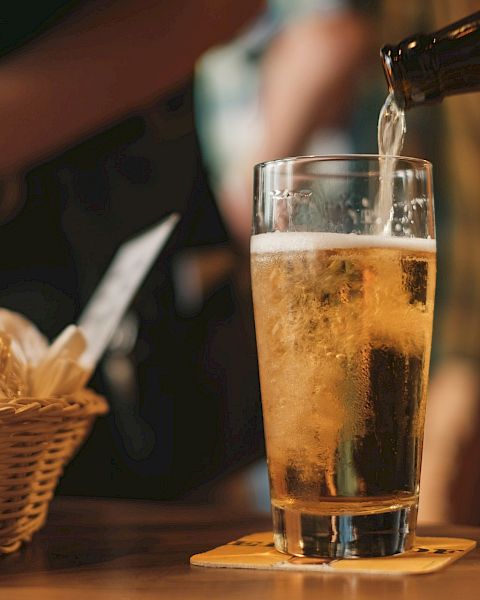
[392, 73]
[386, 56]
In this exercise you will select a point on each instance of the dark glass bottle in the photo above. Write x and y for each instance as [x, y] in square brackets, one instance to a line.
[424, 68]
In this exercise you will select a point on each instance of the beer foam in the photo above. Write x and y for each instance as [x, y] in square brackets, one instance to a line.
[301, 241]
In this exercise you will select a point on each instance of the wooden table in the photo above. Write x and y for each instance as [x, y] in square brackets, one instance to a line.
[100, 549]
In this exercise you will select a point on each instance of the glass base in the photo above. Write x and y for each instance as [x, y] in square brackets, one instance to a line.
[346, 535]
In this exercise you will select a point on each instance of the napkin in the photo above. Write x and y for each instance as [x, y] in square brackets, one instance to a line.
[30, 366]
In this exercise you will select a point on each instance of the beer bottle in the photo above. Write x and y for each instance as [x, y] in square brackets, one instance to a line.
[424, 68]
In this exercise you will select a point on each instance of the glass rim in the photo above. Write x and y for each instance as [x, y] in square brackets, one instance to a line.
[418, 162]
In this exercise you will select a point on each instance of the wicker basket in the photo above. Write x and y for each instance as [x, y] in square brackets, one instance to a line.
[37, 439]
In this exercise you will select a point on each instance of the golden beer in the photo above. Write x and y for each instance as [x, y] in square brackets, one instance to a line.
[343, 325]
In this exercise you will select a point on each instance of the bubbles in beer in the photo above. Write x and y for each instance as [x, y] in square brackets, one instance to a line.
[344, 326]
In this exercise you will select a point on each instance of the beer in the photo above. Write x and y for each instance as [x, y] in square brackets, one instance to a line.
[343, 327]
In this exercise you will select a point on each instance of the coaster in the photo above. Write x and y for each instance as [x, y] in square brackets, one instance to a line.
[256, 551]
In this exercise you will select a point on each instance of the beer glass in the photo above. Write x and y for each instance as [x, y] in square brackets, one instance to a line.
[343, 274]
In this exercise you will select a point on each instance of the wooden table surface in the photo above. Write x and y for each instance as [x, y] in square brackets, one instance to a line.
[100, 549]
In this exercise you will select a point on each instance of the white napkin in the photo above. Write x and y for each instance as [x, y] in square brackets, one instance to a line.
[58, 372]
[29, 366]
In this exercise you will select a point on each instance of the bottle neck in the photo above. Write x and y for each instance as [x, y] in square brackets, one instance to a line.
[423, 69]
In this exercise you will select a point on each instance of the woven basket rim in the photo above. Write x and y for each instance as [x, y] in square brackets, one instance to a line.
[82, 403]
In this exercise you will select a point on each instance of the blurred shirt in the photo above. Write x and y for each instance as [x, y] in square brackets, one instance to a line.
[228, 88]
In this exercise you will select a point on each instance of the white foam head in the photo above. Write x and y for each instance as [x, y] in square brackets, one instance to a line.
[297, 241]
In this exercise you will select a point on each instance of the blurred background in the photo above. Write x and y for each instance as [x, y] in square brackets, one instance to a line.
[115, 113]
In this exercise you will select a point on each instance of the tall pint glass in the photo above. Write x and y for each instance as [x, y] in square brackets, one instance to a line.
[343, 275]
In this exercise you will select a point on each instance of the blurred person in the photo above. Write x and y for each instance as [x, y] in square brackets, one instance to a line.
[299, 83]
[449, 135]
[289, 85]
[450, 473]
[99, 143]
[295, 75]
[450, 479]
